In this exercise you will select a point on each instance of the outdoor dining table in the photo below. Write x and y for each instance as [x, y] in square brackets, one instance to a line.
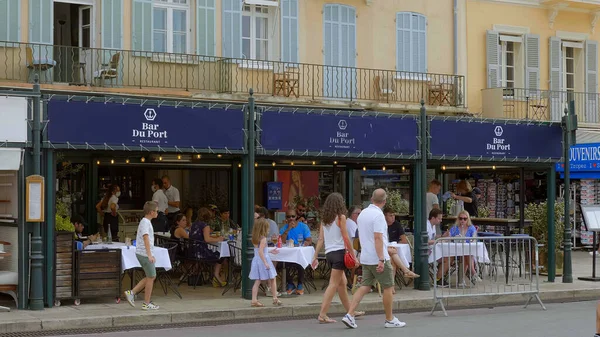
[298, 255]
[456, 249]
[403, 252]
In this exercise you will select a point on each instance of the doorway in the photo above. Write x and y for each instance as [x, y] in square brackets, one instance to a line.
[73, 38]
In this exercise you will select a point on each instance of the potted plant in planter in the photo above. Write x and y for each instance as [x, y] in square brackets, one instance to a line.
[399, 205]
[539, 229]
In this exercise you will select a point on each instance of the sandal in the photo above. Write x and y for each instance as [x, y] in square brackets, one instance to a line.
[325, 320]
[359, 313]
[277, 302]
[411, 274]
[257, 304]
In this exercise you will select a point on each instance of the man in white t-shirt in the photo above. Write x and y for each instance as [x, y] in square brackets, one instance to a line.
[145, 255]
[375, 260]
[173, 199]
[160, 223]
[432, 200]
[351, 225]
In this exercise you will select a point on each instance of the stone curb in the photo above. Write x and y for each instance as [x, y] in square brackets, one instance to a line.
[286, 312]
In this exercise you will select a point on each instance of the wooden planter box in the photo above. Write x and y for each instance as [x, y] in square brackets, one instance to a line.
[63, 266]
[97, 274]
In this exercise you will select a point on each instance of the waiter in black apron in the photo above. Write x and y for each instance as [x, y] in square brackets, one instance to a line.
[174, 199]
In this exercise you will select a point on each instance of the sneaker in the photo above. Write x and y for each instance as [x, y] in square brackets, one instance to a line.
[442, 283]
[130, 297]
[395, 323]
[150, 306]
[290, 289]
[349, 322]
[300, 290]
[592, 253]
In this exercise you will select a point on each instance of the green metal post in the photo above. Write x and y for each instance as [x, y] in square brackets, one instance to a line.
[49, 229]
[36, 297]
[418, 221]
[349, 186]
[568, 121]
[422, 193]
[551, 193]
[23, 239]
[234, 196]
[248, 199]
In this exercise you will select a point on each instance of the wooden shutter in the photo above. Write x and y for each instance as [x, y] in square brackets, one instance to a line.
[591, 81]
[557, 97]
[141, 25]
[289, 31]
[9, 21]
[112, 24]
[41, 14]
[492, 59]
[206, 28]
[231, 28]
[532, 62]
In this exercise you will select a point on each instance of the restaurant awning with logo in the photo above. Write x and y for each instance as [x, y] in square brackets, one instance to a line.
[337, 133]
[126, 124]
[477, 139]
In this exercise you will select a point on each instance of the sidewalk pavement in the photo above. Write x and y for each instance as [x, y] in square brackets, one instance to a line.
[205, 305]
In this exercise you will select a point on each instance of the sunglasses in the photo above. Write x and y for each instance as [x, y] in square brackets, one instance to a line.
[463, 219]
[290, 216]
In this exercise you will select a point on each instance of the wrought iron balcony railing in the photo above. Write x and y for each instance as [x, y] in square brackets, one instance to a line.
[126, 68]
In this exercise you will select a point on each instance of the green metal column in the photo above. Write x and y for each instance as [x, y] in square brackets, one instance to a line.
[23, 237]
[421, 230]
[234, 196]
[569, 124]
[418, 220]
[49, 229]
[36, 298]
[551, 193]
[248, 199]
[349, 186]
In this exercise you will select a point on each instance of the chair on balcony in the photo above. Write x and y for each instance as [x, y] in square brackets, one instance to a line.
[287, 83]
[39, 63]
[109, 71]
[443, 92]
[385, 87]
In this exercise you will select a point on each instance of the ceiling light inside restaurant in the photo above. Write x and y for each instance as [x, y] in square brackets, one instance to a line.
[383, 168]
[97, 162]
[314, 162]
[335, 162]
[468, 167]
[273, 164]
[255, 164]
[239, 165]
[112, 161]
[292, 163]
[198, 156]
[364, 168]
[143, 160]
[179, 156]
[443, 167]
[219, 155]
[127, 161]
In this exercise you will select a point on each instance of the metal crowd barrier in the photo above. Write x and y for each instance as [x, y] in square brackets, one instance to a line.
[484, 266]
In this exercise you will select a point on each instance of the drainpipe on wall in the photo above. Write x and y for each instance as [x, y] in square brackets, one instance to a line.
[455, 37]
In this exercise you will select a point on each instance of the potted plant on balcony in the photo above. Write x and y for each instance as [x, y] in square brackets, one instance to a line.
[538, 213]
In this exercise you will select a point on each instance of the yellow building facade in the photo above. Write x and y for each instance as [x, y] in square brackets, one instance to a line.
[385, 54]
[529, 58]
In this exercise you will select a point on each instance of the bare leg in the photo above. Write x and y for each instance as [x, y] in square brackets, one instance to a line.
[343, 292]
[358, 296]
[598, 319]
[148, 289]
[139, 287]
[273, 283]
[334, 281]
[255, 291]
[388, 300]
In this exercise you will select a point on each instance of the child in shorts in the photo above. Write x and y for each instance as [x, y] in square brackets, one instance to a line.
[143, 252]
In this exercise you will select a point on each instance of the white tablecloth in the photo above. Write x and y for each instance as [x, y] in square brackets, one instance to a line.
[223, 248]
[128, 258]
[299, 255]
[451, 249]
[403, 252]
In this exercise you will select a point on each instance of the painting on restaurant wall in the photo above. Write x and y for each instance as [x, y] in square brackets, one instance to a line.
[297, 183]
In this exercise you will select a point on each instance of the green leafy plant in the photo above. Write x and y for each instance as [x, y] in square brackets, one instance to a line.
[399, 205]
[539, 227]
[64, 197]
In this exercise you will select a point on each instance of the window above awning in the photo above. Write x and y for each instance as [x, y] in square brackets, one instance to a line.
[273, 3]
[10, 159]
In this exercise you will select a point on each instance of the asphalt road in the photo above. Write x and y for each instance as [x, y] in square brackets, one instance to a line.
[569, 319]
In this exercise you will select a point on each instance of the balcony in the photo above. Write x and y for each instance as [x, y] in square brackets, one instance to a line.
[206, 77]
[539, 105]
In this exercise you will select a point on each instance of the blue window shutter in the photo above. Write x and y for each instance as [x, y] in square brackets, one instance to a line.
[403, 33]
[206, 27]
[41, 13]
[112, 24]
[289, 31]
[141, 25]
[421, 42]
[10, 15]
[232, 28]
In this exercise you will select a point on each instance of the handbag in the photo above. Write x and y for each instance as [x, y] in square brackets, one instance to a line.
[349, 260]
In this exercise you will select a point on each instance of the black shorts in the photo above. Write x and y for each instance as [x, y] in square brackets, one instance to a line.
[336, 259]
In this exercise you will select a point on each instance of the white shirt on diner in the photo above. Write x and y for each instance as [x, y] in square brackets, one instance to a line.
[161, 199]
[431, 233]
[370, 221]
[113, 200]
[172, 194]
[351, 227]
[145, 227]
